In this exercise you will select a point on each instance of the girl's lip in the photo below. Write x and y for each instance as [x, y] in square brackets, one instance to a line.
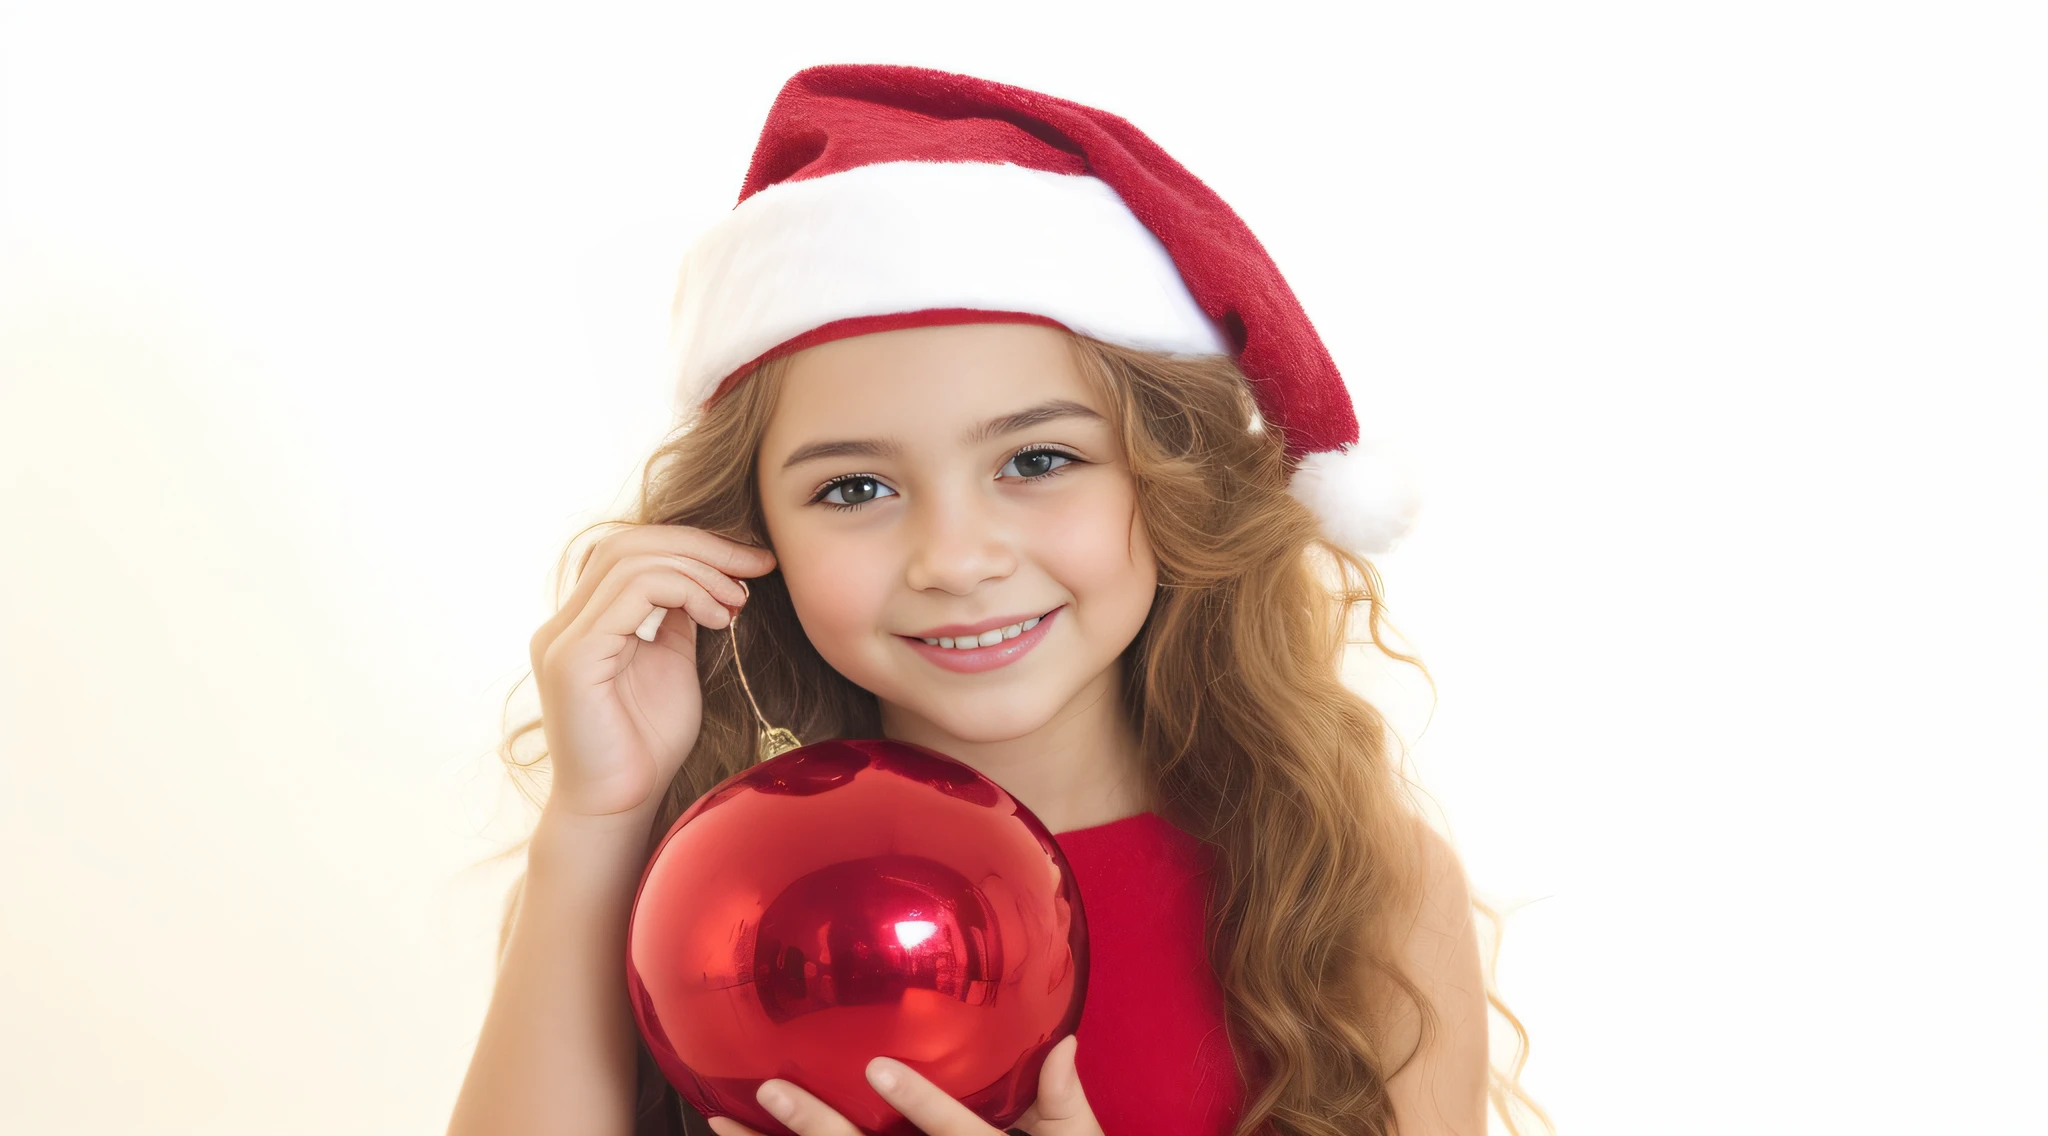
[977, 659]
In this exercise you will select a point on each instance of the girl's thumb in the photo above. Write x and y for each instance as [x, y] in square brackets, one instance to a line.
[1062, 1108]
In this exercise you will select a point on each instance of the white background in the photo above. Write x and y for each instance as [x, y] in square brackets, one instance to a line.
[1715, 329]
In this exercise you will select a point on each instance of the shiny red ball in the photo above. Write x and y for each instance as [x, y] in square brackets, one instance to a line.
[851, 899]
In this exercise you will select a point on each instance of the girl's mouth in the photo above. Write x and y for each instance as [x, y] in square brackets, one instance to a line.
[972, 660]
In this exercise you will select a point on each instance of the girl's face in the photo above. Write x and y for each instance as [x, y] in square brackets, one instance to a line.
[960, 475]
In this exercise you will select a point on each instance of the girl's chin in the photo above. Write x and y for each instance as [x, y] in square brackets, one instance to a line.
[974, 719]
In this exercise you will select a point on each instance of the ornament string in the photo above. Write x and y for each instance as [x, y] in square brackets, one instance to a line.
[774, 739]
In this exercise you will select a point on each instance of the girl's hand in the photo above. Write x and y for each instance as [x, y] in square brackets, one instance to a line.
[1060, 1110]
[621, 712]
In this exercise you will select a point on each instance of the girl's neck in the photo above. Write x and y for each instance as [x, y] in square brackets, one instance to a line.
[1078, 770]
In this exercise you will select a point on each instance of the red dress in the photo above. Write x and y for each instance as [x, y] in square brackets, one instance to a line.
[1153, 1057]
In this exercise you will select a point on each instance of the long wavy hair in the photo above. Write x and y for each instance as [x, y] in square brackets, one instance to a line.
[1254, 744]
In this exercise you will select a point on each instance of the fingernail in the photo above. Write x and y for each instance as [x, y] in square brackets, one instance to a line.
[880, 1075]
[775, 1101]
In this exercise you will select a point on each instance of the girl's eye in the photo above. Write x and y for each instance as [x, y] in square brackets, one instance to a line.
[1036, 460]
[859, 486]
[858, 489]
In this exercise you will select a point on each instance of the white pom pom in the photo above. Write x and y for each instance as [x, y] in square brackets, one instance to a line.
[1367, 495]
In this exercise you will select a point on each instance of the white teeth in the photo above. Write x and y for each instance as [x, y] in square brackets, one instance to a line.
[986, 638]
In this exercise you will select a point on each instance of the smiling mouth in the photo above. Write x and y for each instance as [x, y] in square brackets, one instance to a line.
[975, 642]
[997, 655]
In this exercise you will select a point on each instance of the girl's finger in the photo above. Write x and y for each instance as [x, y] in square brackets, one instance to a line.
[1061, 1109]
[638, 584]
[727, 1126]
[931, 1108]
[805, 1114]
[728, 590]
[719, 553]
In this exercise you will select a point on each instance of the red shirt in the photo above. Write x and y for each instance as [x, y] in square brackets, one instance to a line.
[1153, 1057]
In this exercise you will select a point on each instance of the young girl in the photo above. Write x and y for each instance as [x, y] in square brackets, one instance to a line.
[1009, 440]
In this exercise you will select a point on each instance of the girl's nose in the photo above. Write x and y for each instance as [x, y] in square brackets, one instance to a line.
[958, 545]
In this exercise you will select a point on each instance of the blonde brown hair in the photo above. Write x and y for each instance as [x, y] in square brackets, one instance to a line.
[1254, 744]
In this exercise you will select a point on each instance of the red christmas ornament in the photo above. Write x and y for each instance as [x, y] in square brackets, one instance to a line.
[853, 899]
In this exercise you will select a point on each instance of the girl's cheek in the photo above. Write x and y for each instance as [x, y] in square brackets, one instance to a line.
[1100, 548]
[839, 591]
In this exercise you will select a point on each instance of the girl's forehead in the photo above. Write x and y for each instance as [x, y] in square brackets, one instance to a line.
[913, 379]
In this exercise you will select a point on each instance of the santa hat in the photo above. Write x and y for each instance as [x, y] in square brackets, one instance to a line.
[883, 197]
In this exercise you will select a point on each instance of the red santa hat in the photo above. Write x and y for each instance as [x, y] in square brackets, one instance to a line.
[882, 197]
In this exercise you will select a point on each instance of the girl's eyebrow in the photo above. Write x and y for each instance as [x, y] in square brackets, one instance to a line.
[993, 428]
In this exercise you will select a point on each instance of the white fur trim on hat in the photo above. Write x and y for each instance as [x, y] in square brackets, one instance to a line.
[1367, 495]
[896, 237]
